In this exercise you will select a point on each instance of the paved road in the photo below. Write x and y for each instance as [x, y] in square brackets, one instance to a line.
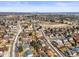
[60, 54]
[15, 40]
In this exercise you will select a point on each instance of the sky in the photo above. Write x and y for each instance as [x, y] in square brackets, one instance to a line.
[39, 6]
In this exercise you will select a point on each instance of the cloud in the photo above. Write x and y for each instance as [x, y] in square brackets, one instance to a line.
[39, 6]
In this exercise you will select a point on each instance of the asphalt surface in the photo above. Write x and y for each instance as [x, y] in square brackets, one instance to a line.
[15, 41]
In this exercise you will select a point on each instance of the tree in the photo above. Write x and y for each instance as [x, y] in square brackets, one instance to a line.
[30, 34]
[20, 39]
[35, 45]
[20, 49]
[52, 20]
[8, 41]
[26, 27]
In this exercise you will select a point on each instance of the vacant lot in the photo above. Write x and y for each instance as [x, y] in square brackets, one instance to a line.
[53, 25]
